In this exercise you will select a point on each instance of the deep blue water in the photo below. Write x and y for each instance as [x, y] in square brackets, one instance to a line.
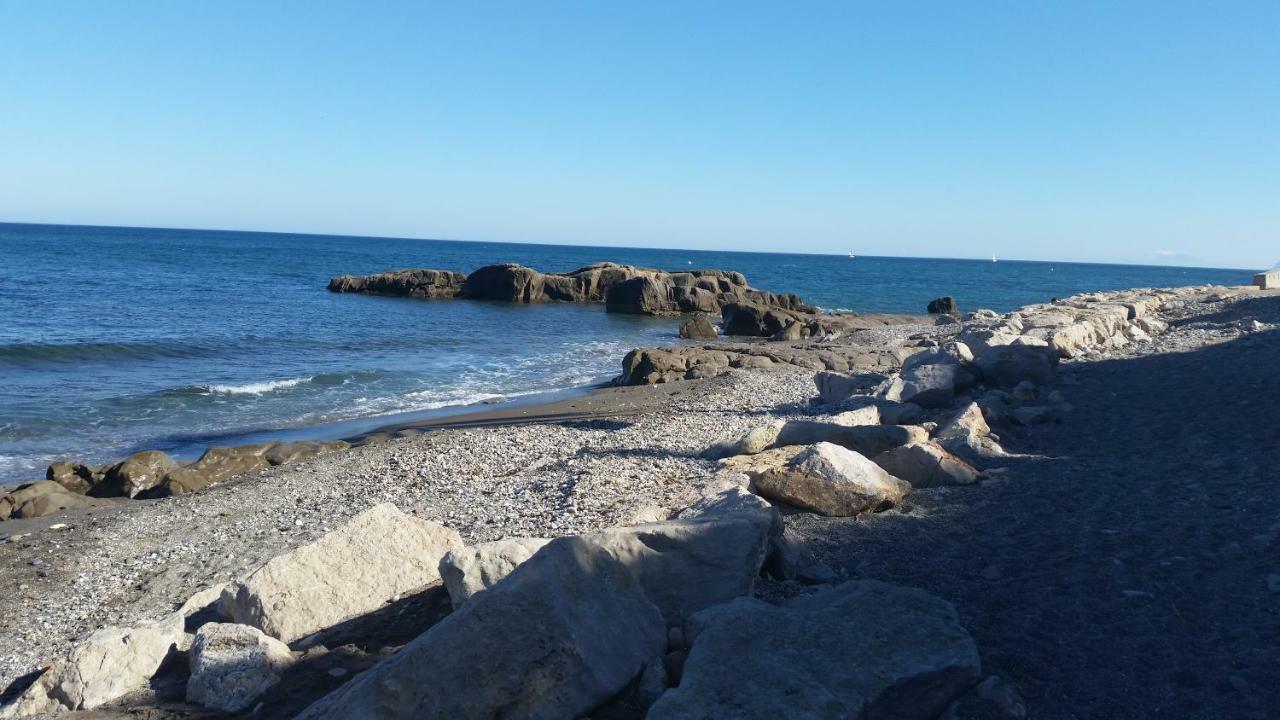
[118, 339]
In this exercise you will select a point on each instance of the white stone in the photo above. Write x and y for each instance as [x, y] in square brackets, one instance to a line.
[469, 570]
[231, 665]
[830, 480]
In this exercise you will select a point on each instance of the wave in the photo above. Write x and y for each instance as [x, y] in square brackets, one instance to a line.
[254, 388]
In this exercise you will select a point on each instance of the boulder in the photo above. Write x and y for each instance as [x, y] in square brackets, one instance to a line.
[217, 464]
[698, 328]
[469, 570]
[943, 306]
[402, 283]
[757, 320]
[992, 699]
[927, 465]
[791, 559]
[111, 663]
[831, 480]
[753, 465]
[139, 472]
[651, 366]
[563, 633]
[231, 665]
[76, 477]
[968, 435]
[867, 440]
[1008, 365]
[838, 387]
[38, 499]
[377, 556]
[689, 564]
[929, 386]
[730, 495]
[863, 650]
[288, 452]
[866, 415]
[751, 442]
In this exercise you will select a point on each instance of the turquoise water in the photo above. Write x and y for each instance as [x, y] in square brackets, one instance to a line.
[118, 339]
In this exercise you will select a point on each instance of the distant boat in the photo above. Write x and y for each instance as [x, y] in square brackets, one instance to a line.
[993, 258]
[851, 254]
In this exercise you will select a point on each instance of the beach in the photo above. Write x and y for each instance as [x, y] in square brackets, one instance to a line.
[1137, 522]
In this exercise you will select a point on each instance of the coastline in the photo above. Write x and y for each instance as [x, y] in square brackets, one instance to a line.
[620, 455]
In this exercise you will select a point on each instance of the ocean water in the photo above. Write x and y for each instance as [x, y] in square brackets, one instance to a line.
[119, 339]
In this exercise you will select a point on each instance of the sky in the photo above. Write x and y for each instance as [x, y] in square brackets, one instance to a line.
[1129, 131]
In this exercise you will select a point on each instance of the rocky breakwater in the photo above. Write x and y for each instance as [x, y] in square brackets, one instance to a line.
[148, 474]
[621, 288]
[662, 619]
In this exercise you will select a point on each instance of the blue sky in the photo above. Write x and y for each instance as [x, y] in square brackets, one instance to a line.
[1110, 131]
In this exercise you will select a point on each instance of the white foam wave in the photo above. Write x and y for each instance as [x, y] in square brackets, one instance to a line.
[257, 388]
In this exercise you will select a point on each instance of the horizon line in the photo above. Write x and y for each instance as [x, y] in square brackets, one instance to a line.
[615, 247]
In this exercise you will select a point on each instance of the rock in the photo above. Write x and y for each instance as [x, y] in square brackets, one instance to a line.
[402, 283]
[563, 633]
[867, 440]
[863, 650]
[139, 472]
[1034, 415]
[377, 556]
[111, 663]
[791, 332]
[929, 386]
[651, 366]
[469, 570]
[838, 387]
[791, 559]
[216, 465]
[77, 478]
[1007, 366]
[927, 465]
[231, 665]
[689, 564]
[751, 442]
[757, 320]
[730, 495]
[38, 499]
[866, 415]
[831, 480]
[288, 452]
[698, 328]
[943, 306]
[753, 465]
[991, 699]
[968, 435]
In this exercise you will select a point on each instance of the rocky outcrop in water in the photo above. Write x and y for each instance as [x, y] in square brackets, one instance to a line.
[622, 288]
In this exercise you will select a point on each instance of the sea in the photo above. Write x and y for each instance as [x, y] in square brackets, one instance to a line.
[114, 340]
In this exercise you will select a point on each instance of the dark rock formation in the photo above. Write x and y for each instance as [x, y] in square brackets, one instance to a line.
[943, 306]
[402, 283]
[698, 328]
[622, 288]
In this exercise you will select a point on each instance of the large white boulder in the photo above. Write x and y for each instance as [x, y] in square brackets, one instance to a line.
[109, 664]
[749, 443]
[231, 665]
[377, 556]
[566, 631]
[968, 435]
[831, 480]
[860, 650]
[467, 571]
[868, 440]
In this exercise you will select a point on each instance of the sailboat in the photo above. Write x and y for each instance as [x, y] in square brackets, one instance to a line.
[993, 258]
[851, 255]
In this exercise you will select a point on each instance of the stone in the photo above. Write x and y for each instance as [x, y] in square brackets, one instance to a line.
[793, 331]
[38, 499]
[943, 306]
[929, 386]
[863, 650]
[753, 441]
[868, 440]
[698, 328]
[837, 387]
[992, 699]
[791, 559]
[566, 631]
[402, 283]
[865, 415]
[139, 472]
[111, 663]
[288, 452]
[831, 480]
[926, 465]
[76, 477]
[730, 495]
[231, 665]
[968, 435]
[689, 564]
[1009, 365]
[753, 465]
[217, 464]
[1034, 415]
[377, 556]
[469, 570]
